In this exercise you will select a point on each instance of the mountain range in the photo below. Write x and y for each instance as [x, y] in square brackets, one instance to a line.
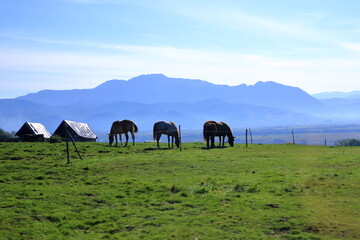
[337, 94]
[188, 102]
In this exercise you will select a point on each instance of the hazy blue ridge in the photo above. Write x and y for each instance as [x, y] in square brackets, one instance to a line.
[336, 94]
[150, 98]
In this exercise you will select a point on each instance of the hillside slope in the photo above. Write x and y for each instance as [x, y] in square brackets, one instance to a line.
[157, 88]
[189, 115]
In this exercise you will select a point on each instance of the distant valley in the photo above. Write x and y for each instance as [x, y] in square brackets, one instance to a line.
[189, 103]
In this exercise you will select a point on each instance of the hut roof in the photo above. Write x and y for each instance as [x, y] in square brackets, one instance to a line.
[81, 129]
[33, 128]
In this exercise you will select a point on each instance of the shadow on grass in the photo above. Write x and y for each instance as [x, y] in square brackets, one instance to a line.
[216, 147]
[155, 148]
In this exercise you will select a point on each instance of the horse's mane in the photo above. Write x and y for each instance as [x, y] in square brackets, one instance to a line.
[228, 129]
[177, 130]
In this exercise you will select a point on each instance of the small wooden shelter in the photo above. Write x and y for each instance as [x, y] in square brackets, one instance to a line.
[80, 132]
[33, 132]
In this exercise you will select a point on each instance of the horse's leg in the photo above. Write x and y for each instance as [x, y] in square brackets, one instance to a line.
[127, 139]
[133, 138]
[172, 141]
[223, 140]
[158, 136]
[219, 141]
[168, 136]
[120, 140]
[212, 141]
[116, 141]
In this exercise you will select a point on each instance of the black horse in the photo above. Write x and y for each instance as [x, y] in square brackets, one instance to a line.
[213, 129]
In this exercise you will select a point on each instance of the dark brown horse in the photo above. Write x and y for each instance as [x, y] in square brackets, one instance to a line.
[122, 127]
[220, 129]
[169, 129]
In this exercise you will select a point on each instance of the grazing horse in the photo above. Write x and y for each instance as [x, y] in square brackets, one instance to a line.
[122, 127]
[220, 129]
[169, 129]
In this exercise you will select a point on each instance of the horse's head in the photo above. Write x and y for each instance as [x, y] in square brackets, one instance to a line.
[177, 141]
[231, 141]
[111, 139]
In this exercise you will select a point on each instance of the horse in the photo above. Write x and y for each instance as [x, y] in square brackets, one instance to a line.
[169, 129]
[213, 129]
[122, 127]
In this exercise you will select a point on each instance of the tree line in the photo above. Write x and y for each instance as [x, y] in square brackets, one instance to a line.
[7, 136]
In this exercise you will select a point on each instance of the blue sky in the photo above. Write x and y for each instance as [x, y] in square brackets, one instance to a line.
[67, 44]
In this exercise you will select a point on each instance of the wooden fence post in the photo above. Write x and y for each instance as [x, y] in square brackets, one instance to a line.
[68, 135]
[292, 131]
[246, 137]
[67, 146]
[251, 139]
[180, 143]
[75, 146]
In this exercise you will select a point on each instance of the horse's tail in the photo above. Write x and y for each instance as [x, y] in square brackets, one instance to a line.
[210, 129]
[205, 133]
[155, 132]
[135, 128]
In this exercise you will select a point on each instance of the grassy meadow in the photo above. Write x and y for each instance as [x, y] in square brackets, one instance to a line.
[260, 192]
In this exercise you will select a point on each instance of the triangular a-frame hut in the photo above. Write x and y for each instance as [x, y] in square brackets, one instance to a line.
[33, 132]
[80, 132]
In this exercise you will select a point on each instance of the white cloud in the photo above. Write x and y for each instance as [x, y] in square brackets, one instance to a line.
[352, 46]
[65, 70]
[233, 17]
[99, 1]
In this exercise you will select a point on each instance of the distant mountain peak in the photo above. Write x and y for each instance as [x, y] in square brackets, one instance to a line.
[149, 77]
[269, 83]
[158, 88]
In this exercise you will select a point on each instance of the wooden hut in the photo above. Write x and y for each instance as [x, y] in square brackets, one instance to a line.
[80, 132]
[33, 132]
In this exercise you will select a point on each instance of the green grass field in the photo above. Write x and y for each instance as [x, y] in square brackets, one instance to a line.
[259, 192]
